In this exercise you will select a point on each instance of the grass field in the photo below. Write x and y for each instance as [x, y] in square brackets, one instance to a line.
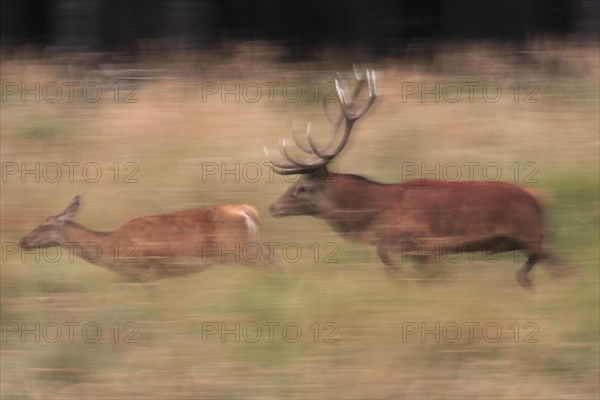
[333, 326]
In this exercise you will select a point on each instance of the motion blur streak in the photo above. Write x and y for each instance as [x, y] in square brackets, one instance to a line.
[134, 141]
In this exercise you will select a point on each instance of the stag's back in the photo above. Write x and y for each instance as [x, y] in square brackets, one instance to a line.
[465, 210]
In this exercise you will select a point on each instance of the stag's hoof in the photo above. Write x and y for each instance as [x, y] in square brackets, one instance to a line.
[523, 280]
[393, 273]
[428, 272]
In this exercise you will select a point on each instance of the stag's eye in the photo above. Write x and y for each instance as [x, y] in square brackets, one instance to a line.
[300, 190]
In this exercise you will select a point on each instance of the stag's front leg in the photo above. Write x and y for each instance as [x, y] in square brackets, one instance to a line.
[391, 269]
[426, 266]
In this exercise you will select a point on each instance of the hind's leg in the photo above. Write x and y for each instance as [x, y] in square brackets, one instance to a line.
[521, 274]
[261, 258]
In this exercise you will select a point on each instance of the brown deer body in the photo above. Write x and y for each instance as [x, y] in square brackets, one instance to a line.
[418, 218]
[159, 246]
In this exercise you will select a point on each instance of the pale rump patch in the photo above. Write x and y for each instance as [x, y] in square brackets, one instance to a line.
[251, 217]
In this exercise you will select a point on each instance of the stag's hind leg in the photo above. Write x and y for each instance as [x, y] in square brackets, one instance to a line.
[549, 261]
[521, 275]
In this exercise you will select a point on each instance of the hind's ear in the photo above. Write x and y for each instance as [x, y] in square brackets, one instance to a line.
[70, 211]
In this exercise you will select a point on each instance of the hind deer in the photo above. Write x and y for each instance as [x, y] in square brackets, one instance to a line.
[160, 246]
[420, 219]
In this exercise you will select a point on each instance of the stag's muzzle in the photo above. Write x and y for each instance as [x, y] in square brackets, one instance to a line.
[275, 211]
[25, 245]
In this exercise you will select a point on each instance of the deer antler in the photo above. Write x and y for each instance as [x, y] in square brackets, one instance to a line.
[347, 115]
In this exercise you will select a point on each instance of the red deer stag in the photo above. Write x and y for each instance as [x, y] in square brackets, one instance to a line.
[420, 218]
[160, 246]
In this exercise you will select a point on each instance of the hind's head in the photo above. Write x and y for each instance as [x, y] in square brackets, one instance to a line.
[51, 231]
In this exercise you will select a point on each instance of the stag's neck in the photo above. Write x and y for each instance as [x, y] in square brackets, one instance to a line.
[359, 202]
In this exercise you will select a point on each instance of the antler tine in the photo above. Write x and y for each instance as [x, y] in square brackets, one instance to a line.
[291, 171]
[284, 152]
[277, 163]
[298, 143]
[372, 83]
[286, 169]
[337, 120]
[294, 166]
[316, 150]
[347, 114]
[358, 72]
[360, 77]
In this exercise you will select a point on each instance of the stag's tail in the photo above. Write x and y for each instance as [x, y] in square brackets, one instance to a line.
[554, 265]
[541, 198]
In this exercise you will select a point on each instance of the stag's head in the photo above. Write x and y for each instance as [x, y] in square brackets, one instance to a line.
[313, 194]
[51, 230]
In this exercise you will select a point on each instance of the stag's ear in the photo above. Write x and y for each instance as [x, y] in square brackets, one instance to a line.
[70, 211]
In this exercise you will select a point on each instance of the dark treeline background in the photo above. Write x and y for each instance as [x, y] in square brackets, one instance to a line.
[377, 28]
